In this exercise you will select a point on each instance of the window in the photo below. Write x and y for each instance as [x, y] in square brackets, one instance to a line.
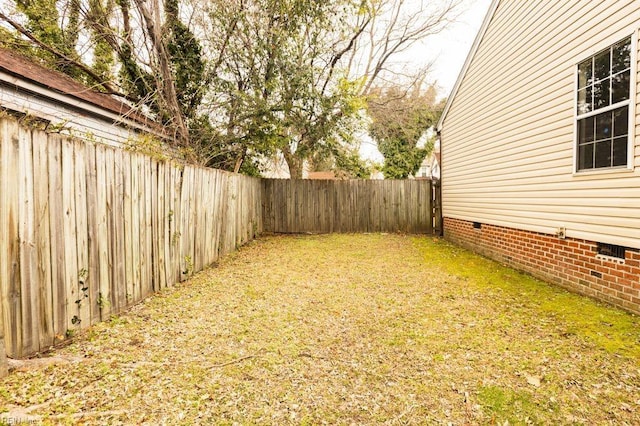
[603, 108]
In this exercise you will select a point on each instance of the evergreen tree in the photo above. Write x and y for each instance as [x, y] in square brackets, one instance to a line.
[399, 119]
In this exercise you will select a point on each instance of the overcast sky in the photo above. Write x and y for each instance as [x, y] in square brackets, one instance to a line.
[450, 48]
[447, 51]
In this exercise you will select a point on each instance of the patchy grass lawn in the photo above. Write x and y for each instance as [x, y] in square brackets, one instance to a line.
[346, 329]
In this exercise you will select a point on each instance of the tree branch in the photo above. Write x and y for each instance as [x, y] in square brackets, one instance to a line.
[105, 85]
[341, 53]
[169, 96]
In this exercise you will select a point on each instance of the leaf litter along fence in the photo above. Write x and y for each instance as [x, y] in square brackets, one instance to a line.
[87, 230]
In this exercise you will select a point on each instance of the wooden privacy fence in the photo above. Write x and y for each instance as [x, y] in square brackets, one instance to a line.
[325, 206]
[87, 230]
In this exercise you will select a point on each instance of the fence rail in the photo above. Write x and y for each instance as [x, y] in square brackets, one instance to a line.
[87, 230]
[326, 206]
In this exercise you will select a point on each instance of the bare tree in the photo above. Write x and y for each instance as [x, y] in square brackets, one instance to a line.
[396, 26]
[292, 76]
[138, 33]
[154, 22]
[239, 79]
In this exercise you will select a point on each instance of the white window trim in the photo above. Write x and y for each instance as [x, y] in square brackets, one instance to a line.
[631, 102]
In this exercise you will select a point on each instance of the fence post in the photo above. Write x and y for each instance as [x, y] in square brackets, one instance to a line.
[436, 199]
[4, 370]
[6, 199]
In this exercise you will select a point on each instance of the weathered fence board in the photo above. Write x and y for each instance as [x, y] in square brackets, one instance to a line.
[9, 243]
[93, 274]
[29, 290]
[128, 228]
[43, 241]
[316, 206]
[87, 230]
[56, 195]
[81, 303]
[104, 242]
[69, 232]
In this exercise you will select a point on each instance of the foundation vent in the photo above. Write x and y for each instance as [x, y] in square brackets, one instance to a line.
[611, 250]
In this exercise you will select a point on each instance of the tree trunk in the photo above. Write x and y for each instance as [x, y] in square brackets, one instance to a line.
[166, 84]
[240, 160]
[294, 163]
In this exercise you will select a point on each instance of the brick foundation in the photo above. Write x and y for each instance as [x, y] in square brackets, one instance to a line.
[571, 263]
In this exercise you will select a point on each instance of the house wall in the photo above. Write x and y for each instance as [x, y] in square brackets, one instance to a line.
[508, 178]
[508, 135]
[80, 119]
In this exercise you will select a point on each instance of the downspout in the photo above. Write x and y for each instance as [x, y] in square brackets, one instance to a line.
[438, 228]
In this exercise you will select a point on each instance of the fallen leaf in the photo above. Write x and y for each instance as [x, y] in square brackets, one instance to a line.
[533, 380]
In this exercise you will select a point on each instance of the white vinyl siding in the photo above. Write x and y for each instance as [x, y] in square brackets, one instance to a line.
[80, 119]
[508, 135]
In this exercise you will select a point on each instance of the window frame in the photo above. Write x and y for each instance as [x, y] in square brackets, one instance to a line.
[630, 103]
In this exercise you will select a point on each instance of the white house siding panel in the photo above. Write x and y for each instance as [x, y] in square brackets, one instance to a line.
[508, 136]
[83, 125]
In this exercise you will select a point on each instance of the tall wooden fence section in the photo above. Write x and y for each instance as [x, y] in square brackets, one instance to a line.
[325, 206]
[87, 230]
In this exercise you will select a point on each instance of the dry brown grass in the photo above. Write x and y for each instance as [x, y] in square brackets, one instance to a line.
[346, 329]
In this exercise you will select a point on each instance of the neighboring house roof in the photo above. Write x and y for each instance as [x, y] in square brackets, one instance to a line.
[24, 71]
[321, 175]
[467, 62]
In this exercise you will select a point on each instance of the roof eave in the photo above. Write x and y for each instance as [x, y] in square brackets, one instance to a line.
[483, 29]
[34, 87]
